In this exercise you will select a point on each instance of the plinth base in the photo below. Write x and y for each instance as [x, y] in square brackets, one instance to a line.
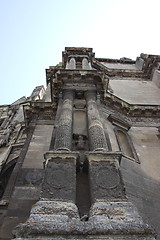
[53, 220]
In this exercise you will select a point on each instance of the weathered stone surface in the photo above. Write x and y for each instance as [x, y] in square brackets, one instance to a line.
[49, 207]
[39, 144]
[125, 89]
[60, 176]
[104, 176]
[30, 193]
[108, 237]
[106, 218]
[63, 139]
[97, 140]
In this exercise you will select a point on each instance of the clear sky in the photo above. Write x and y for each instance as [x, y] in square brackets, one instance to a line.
[35, 32]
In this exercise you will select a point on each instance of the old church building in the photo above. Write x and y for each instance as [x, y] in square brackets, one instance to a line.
[80, 159]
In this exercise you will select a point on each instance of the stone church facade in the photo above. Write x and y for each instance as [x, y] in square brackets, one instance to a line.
[80, 159]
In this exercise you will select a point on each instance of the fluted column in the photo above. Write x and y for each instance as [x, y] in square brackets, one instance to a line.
[97, 139]
[63, 139]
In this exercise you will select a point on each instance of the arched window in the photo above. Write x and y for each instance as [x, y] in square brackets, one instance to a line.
[5, 175]
[126, 145]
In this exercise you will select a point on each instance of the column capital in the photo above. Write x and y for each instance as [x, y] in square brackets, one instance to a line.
[68, 93]
[91, 95]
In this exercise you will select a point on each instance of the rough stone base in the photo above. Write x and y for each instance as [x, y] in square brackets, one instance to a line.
[60, 220]
[109, 237]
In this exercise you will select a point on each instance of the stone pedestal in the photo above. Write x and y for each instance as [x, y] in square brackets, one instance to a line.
[52, 220]
[97, 139]
[63, 139]
[111, 216]
[60, 176]
[104, 176]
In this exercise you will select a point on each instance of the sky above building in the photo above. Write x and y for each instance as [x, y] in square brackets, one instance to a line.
[35, 32]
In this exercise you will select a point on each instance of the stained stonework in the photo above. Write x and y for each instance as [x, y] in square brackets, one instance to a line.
[79, 160]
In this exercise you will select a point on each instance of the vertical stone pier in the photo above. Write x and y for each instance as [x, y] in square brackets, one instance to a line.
[115, 216]
[63, 139]
[97, 139]
[56, 209]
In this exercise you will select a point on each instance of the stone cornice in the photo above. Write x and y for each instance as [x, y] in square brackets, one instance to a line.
[131, 110]
[150, 63]
[119, 122]
[119, 72]
[121, 60]
[81, 80]
[37, 109]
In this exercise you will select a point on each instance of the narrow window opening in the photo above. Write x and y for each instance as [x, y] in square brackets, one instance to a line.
[124, 144]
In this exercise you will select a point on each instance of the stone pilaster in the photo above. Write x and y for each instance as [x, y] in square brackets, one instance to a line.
[97, 139]
[63, 139]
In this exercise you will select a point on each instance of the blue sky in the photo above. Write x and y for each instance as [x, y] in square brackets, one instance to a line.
[35, 32]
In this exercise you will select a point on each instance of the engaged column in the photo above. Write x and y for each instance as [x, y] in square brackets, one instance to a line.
[63, 139]
[97, 139]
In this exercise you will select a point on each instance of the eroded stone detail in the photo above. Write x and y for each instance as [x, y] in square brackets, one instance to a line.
[60, 220]
[104, 176]
[111, 176]
[63, 139]
[97, 139]
[60, 176]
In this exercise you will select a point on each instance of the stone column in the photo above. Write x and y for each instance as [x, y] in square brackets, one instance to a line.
[71, 64]
[63, 139]
[97, 139]
[85, 64]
